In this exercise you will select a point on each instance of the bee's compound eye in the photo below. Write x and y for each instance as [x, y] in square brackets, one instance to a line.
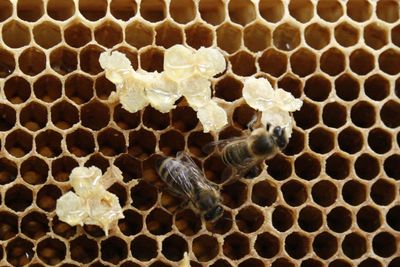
[278, 131]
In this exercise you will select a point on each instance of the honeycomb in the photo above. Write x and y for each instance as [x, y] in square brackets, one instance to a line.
[330, 199]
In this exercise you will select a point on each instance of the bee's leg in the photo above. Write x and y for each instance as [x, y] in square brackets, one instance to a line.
[253, 172]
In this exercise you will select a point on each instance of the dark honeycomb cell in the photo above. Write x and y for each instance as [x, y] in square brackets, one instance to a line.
[154, 119]
[15, 34]
[187, 222]
[325, 245]
[370, 262]
[264, 193]
[60, 9]
[184, 118]
[113, 250]
[131, 224]
[47, 196]
[359, 10]
[34, 171]
[62, 229]
[243, 116]
[144, 196]
[292, 84]
[332, 61]
[104, 87]
[236, 246]
[282, 262]
[123, 9]
[376, 87]
[286, 37]
[310, 219]
[339, 219]
[171, 142]
[9, 225]
[153, 11]
[215, 169]
[350, 140]
[280, 62]
[111, 142]
[79, 88]
[47, 34]
[80, 143]
[389, 62]
[6, 11]
[221, 263]
[77, 34]
[35, 225]
[48, 143]
[383, 192]
[307, 116]
[144, 248]
[196, 142]
[108, 34]
[222, 225]
[152, 59]
[249, 219]
[354, 245]
[282, 218]
[387, 10]
[7, 63]
[62, 167]
[296, 143]
[198, 35]
[347, 87]
[229, 88]
[47, 88]
[30, 10]
[361, 62]
[18, 143]
[393, 218]
[303, 62]
[51, 251]
[93, 11]
[234, 194]
[17, 90]
[7, 117]
[229, 37]
[301, 10]
[294, 192]
[33, 116]
[279, 167]
[83, 249]
[324, 193]
[391, 166]
[394, 262]
[32, 61]
[257, 37]
[139, 34]
[251, 262]
[375, 36]
[321, 140]
[173, 247]
[212, 11]
[159, 222]
[311, 263]
[95, 115]
[354, 192]
[390, 114]
[366, 167]
[126, 120]
[340, 263]
[98, 161]
[89, 59]
[241, 12]
[131, 168]
[18, 197]
[19, 251]
[271, 11]
[182, 11]
[168, 34]
[120, 191]
[8, 171]
[267, 245]
[297, 245]
[64, 115]
[317, 88]
[363, 114]
[141, 143]
[317, 36]
[307, 166]
[337, 166]
[368, 219]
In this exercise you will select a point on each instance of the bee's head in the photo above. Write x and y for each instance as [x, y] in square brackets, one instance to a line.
[214, 214]
[279, 136]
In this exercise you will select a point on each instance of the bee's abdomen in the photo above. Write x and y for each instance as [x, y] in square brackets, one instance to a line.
[236, 154]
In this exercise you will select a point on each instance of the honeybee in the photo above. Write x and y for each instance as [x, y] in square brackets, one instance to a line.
[243, 155]
[185, 180]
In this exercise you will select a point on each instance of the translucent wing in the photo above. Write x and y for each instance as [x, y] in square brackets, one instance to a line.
[221, 144]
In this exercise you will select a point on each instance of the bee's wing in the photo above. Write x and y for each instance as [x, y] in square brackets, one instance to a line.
[181, 183]
[221, 143]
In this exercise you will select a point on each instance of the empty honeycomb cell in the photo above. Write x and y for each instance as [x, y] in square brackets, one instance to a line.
[79, 88]
[363, 114]
[317, 36]
[123, 9]
[267, 245]
[332, 61]
[15, 34]
[340, 263]
[384, 244]
[297, 245]
[83, 249]
[198, 35]
[159, 222]
[222, 225]
[282, 218]
[168, 201]
[390, 114]
[214, 169]
[47, 88]
[296, 143]
[60, 9]
[32, 61]
[153, 10]
[383, 192]
[8, 171]
[80, 143]
[35, 225]
[376, 87]
[93, 11]
[33, 116]
[393, 218]
[389, 62]
[366, 167]
[229, 38]
[62, 167]
[7, 63]
[234, 194]
[350, 140]
[321, 140]
[63, 60]
[154, 119]
[18, 197]
[95, 115]
[279, 167]
[18, 143]
[34, 170]
[395, 35]
[282, 262]
[64, 115]
[120, 191]
[126, 120]
[89, 59]
[368, 218]
[144, 196]
[196, 142]
[370, 262]
[139, 34]
[152, 60]
[6, 11]
[354, 245]
[182, 11]
[104, 87]
[17, 89]
[391, 166]
[317, 88]
[359, 10]
[243, 64]
[311, 263]
[324, 193]
[394, 262]
[113, 250]
[108, 34]
[168, 34]
[361, 62]
[236, 246]
[7, 118]
[51, 251]
[131, 168]
[184, 118]
[303, 62]
[30, 10]
[301, 10]
[243, 115]
[264, 193]
[77, 35]
[329, 10]
[251, 262]
[379, 140]
[375, 36]
[142, 143]
[346, 35]
[280, 62]
[249, 219]
[307, 116]
[271, 11]
[337, 166]
[307, 166]
[144, 248]
[286, 37]
[48, 143]
[339, 219]
[47, 34]
[111, 142]
[387, 10]
[310, 219]
[212, 11]
[354, 192]
[47, 196]
[98, 161]
[62, 229]
[347, 87]
[241, 12]
[291, 84]
[325, 245]
[131, 224]
[257, 37]
[187, 222]
[19, 251]
[221, 263]
[294, 193]
[9, 225]
[173, 247]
